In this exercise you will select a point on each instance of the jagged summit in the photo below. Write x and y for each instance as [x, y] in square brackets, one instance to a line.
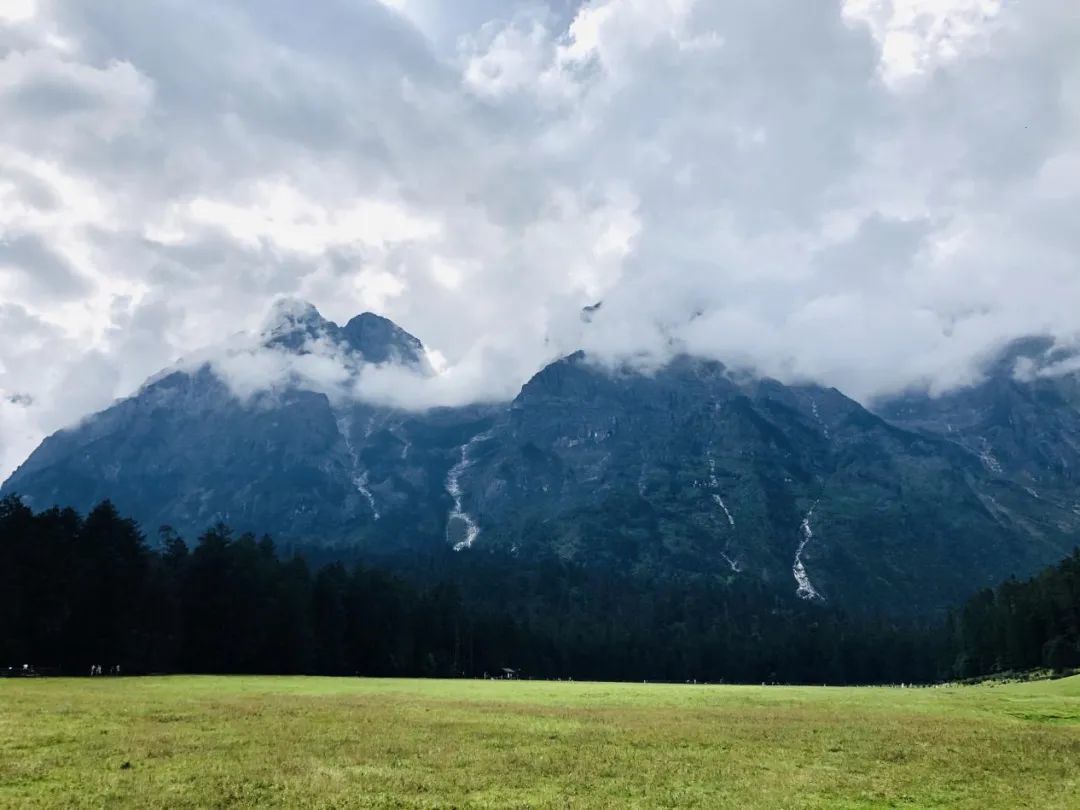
[289, 312]
[380, 340]
[293, 324]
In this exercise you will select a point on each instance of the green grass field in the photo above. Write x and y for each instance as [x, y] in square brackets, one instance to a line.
[322, 742]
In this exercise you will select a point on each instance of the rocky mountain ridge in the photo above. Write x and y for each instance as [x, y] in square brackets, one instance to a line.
[688, 471]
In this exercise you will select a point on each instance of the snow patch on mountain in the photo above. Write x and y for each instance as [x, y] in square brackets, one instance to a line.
[358, 474]
[989, 460]
[805, 589]
[722, 505]
[453, 487]
[714, 483]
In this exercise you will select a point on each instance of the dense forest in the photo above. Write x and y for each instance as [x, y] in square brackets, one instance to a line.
[78, 592]
[1020, 625]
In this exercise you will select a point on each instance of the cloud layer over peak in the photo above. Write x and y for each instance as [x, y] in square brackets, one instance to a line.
[872, 194]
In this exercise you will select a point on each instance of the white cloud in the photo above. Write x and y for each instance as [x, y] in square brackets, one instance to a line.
[283, 216]
[17, 11]
[918, 35]
[870, 193]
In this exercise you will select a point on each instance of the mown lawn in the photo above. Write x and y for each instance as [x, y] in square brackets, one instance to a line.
[322, 742]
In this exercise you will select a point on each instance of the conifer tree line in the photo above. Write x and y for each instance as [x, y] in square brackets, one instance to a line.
[1020, 625]
[77, 592]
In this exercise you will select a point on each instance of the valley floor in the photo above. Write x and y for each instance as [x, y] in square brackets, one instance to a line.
[306, 742]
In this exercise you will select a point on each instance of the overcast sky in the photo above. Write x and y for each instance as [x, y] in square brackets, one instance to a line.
[871, 194]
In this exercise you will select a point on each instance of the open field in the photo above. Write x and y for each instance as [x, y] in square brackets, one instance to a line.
[321, 742]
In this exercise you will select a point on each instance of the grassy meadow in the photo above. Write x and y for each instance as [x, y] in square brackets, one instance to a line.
[322, 742]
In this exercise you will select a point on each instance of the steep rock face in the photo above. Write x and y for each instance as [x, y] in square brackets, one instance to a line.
[380, 340]
[1022, 421]
[687, 469]
[294, 325]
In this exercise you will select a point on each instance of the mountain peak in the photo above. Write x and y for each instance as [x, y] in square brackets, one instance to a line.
[291, 321]
[380, 340]
[290, 309]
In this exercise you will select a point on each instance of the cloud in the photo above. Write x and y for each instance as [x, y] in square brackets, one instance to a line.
[252, 370]
[871, 194]
[38, 87]
[277, 357]
[33, 268]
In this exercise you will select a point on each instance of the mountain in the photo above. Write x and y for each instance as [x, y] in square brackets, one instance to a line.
[368, 338]
[1022, 420]
[308, 466]
[691, 469]
[686, 471]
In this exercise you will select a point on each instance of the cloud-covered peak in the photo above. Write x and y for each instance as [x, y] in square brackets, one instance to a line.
[291, 322]
[288, 312]
[370, 359]
[297, 325]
